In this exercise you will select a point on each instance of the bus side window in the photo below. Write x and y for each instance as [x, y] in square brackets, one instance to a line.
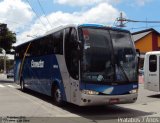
[22, 51]
[58, 42]
[45, 46]
[34, 49]
[152, 63]
[50, 44]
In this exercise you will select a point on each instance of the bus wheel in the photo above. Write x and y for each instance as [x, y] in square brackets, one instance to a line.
[57, 95]
[22, 86]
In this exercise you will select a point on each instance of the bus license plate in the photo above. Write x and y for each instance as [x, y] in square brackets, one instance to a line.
[114, 100]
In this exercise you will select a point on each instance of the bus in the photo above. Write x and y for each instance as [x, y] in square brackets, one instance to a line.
[85, 64]
[152, 71]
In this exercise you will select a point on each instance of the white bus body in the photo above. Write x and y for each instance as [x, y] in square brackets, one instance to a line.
[152, 71]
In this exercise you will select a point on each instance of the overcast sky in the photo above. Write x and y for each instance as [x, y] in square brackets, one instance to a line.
[35, 17]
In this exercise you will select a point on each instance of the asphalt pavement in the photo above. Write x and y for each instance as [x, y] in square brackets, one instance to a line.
[37, 107]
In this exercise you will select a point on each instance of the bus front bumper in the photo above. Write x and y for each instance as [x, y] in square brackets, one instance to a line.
[88, 100]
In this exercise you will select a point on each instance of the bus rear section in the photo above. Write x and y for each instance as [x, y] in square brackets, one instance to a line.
[152, 71]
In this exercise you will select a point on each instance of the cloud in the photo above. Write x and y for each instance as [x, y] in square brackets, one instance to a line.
[142, 2]
[15, 13]
[103, 13]
[93, 2]
[137, 3]
[34, 31]
[84, 2]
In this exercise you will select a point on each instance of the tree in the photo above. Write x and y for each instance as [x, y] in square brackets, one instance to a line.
[7, 38]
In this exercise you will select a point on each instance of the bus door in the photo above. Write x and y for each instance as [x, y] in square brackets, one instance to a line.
[152, 83]
[72, 63]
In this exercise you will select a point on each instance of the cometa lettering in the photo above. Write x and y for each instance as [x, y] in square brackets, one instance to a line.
[37, 64]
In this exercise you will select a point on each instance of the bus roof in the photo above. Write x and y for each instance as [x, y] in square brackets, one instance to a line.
[84, 25]
[153, 53]
[74, 25]
[102, 26]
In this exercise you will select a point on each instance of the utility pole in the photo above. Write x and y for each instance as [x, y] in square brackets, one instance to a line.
[121, 20]
[32, 36]
[4, 62]
[4, 57]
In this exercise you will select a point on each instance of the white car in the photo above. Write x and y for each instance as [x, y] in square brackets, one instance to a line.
[10, 74]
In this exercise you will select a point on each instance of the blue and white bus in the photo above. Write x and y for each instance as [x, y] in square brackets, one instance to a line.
[85, 64]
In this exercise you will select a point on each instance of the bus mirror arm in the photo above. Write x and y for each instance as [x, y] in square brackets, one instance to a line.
[138, 52]
[79, 50]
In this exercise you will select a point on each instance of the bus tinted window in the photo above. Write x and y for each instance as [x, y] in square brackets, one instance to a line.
[45, 46]
[152, 63]
[51, 44]
[20, 51]
[58, 42]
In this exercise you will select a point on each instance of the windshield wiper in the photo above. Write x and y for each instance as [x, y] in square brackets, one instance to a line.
[122, 69]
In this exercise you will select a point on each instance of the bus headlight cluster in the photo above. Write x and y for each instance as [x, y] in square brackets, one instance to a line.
[90, 92]
[133, 91]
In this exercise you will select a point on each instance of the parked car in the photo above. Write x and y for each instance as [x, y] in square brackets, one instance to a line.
[10, 73]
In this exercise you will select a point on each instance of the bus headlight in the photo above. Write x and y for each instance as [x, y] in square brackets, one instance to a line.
[133, 91]
[90, 92]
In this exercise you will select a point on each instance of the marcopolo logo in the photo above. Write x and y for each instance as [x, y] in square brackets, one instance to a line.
[37, 64]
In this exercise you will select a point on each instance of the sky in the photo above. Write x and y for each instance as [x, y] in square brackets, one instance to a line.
[32, 18]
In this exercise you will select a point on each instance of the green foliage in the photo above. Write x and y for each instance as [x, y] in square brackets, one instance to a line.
[7, 38]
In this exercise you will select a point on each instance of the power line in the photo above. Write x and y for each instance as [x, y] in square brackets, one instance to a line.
[9, 21]
[36, 13]
[142, 21]
[3, 21]
[144, 27]
[44, 12]
[26, 25]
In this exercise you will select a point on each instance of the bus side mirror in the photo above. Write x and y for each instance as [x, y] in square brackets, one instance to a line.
[138, 52]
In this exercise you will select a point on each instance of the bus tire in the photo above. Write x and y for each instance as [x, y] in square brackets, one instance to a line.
[57, 96]
[22, 85]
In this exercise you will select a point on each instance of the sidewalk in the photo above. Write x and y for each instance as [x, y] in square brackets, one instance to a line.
[141, 80]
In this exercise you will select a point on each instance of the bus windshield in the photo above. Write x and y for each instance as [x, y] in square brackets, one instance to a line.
[125, 56]
[108, 56]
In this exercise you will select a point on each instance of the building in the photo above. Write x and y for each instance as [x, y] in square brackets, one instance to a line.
[146, 40]
[9, 57]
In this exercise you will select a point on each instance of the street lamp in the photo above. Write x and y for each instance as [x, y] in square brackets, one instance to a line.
[32, 36]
